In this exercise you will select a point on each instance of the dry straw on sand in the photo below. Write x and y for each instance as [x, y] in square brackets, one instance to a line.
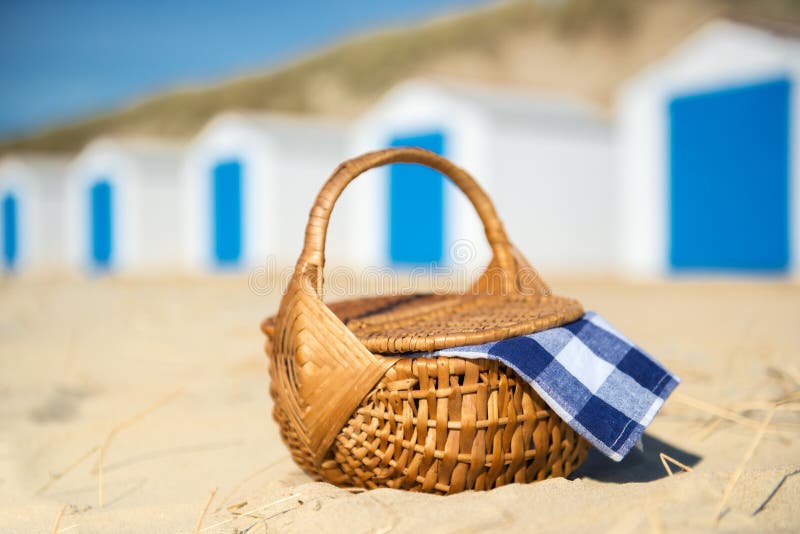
[740, 468]
[57, 522]
[117, 428]
[236, 487]
[56, 476]
[204, 512]
[666, 460]
[254, 512]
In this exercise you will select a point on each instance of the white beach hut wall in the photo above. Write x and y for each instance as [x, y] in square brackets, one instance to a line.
[547, 163]
[708, 145]
[31, 212]
[123, 206]
[249, 180]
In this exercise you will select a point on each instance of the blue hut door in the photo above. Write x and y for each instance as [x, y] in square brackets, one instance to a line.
[9, 231]
[416, 206]
[227, 213]
[729, 178]
[101, 224]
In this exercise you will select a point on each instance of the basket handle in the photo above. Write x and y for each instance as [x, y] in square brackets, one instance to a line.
[320, 370]
[312, 259]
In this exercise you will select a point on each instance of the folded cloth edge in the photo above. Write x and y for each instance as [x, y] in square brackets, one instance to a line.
[627, 437]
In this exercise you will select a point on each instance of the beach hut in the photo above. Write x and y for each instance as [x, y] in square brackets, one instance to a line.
[31, 212]
[708, 146]
[123, 206]
[546, 161]
[249, 180]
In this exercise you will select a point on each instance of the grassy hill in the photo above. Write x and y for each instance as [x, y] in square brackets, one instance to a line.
[583, 47]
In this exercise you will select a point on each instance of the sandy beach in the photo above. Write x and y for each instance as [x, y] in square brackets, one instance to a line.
[151, 396]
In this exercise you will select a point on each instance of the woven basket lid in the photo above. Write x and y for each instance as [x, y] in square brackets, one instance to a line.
[508, 299]
[427, 322]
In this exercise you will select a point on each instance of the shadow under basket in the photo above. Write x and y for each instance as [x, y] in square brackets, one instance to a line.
[356, 410]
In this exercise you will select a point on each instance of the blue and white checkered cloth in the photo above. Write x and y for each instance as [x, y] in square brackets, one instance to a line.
[597, 381]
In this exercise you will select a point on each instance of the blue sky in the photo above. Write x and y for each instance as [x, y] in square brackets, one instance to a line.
[64, 59]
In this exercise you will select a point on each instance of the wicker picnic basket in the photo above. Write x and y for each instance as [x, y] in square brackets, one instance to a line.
[355, 410]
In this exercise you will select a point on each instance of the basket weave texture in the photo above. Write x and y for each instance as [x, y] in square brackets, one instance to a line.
[355, 410]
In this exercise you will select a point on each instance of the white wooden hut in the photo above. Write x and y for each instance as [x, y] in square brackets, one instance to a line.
[123, 206]
[31, 202]
[249, 180]
[708, 145]
[547, 163]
